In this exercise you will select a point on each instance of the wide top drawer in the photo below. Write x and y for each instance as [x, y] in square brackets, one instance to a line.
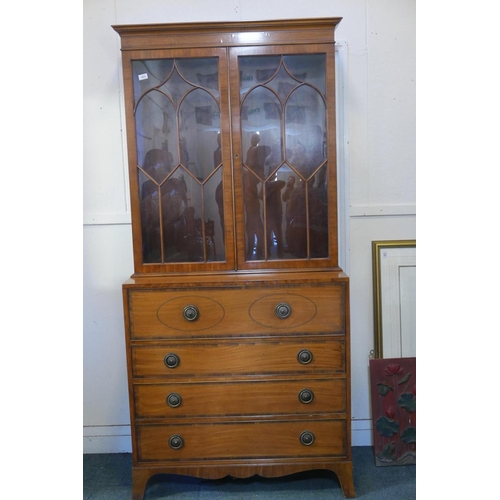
[208, 312]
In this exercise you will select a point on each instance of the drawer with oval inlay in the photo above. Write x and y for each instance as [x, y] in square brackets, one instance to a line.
[223, 358]
[255, 398]
[204, 312]
[244, 440]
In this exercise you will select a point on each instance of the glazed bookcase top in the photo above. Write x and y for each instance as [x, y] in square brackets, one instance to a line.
[231, 145]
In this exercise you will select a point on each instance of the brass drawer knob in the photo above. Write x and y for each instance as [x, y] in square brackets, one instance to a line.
[305, 357]
[176, 442]
[174, 400]
[191, 313]
[282, 310]
[307, 438]
[306, 396]
[171, 360]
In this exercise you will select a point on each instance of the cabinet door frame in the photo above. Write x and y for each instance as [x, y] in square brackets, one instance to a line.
[238, 155]
[141, 267]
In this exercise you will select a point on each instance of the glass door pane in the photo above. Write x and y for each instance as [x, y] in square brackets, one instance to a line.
[284, 146]
[178, 135]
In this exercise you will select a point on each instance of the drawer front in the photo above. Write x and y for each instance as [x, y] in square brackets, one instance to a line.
[255, 398]
[238, 358]
[156, 314]
[242, 441]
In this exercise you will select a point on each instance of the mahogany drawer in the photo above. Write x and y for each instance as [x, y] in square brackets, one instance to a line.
[301, 438]
[223, 358]
[254, 398]
[156, 314]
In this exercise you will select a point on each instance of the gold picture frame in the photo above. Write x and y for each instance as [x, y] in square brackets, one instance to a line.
[377, 248]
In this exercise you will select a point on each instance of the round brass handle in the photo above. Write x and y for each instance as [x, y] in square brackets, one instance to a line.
[191, 313]
[307, 438]
[176, 442]
[282, 310]
[304, 357]
[174, 400]
[306, 396]
[172, 360]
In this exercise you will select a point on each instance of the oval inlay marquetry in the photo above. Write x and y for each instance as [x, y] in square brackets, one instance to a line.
[211, 313]
[262, 311]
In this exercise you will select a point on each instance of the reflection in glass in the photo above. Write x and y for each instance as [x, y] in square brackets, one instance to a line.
[214, 214]
[274, 159]
[283, 83]
[202, 72]
[254, 227]
[283, 135]
[176, 87]
[305, 125]
[308, 68]
[298, 222]
[199, 124]
[318, 214]
[256, 69]
[150, 219]
[286, 197]
[175, 211]
[156, 130]
[177, 120]
[274, 218]
[261, 113]
[149, 74]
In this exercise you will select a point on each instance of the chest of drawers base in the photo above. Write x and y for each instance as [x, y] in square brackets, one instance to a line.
[239, 377]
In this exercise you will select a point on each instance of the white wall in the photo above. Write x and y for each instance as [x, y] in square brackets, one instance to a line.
[377, 57]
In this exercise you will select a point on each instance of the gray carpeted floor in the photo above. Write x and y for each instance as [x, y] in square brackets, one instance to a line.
[108, 477]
